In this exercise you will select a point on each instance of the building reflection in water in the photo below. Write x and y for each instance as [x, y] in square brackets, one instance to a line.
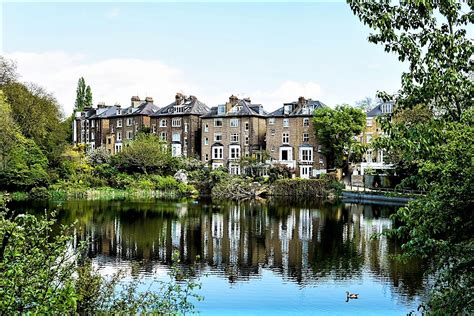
[305, 243]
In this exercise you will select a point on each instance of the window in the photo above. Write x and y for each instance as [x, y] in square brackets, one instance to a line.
[321, 160]
[119, 123]
[119, 136]
[136, 128]
[286, 138]
[234, 152]
[319, 148]
[129, 135]
[118, 148]
[221, 109]
[163, 123]
[305, 137]
[176, 137]
[119, 111]
[217, 137]
[92, 123]
[369, 122]
[247, 126]
[179, 109]
[153, 129]
[234, 122]
[216, 165]
[176, 150]
[217, 122]
[176, 122]
[129, 122]
[286, 122]
[206, 157]
[305, 171]
[112, 128]
[217, 152]
[306, 154]
[234, 138]
[206, 127]
[306, 122]
[206, 141]
[246, 140]
[163, 136]
[185, 127]
[234, 169]
[273, 148]
[109, 141]
[92, 136]
[271, 121]
[273, 132]
[285, 154]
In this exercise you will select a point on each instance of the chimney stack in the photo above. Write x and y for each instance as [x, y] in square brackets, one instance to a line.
[179, 98]
[149, 100]
[136, 101]
[233, 100]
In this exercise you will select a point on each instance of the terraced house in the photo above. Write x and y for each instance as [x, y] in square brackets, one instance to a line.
[374, 159]
[291, 138]
[179, 124]
[109, 125]
[231, 131]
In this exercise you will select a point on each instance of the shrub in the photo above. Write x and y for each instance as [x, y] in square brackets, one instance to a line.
[39, 193]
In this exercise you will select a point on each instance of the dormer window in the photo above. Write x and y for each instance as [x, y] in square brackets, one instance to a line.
[130, 110]
[119, 111]
[179, 109]
[305, 110]
[286, 109]
[236, 108]
[221, 109]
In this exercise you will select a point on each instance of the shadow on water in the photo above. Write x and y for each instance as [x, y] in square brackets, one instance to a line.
[311, 242]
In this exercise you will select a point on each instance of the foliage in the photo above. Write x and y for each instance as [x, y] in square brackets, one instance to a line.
[7, 71]
[22, 164]
[83, 96]
[146, 153]
[323, 187]
[431, 137]
[335, 130]
[98, 156]
[39, 193]
[38, 116]
[366, 104]
[432, 37]
[233, 187]
[37, 276]
[254, 165]
[278, 171]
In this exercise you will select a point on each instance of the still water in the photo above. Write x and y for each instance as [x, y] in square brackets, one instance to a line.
[258, 258]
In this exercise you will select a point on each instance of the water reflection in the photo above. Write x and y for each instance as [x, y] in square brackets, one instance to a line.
[306, 243]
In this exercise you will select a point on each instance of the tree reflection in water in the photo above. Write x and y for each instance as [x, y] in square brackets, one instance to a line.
[307, 243]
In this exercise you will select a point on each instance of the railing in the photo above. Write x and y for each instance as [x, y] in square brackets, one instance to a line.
[384, 190]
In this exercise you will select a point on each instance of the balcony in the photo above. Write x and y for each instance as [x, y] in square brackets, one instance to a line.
[288, 163]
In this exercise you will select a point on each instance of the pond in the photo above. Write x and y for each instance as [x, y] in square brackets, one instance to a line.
[272, 257]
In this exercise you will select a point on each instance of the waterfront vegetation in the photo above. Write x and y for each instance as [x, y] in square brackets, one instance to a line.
[429, 140]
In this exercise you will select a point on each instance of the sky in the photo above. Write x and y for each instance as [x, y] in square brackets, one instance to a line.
[272, 52]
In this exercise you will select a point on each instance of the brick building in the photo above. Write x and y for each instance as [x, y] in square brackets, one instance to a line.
[179, 124]
[231, 131]
[290, 138]
[374, 159]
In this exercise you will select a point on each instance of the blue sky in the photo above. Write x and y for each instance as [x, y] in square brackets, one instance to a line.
[272, 52]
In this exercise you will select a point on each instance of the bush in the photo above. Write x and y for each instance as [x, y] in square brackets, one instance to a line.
[39, 193]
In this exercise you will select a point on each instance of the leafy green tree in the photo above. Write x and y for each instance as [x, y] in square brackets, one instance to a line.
[431, 36]
[335, 130]
[7, 71]
[433, 148]
[22, 164]
[38, 116]
[146, 153]
[83, 95]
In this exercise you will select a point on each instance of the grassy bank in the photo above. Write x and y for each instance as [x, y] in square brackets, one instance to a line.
[324, 187]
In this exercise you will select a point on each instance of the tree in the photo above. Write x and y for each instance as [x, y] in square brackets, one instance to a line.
[366, 104]
[431, 36]
[38, 116]
[146, 153]
[22, 164]
[83, 95]
[7, 71]
[432, 145]
[335, 131]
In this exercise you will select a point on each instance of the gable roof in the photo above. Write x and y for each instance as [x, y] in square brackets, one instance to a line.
[243, 107]
[191, 105]
[295, 110]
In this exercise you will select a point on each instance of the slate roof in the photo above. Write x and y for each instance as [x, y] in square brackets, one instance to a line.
[191, 105]
[311, 105]
[146, 108]
[246, 109]
[108, 110]
[377, 111]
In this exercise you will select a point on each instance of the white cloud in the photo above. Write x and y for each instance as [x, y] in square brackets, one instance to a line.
[116, 80]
